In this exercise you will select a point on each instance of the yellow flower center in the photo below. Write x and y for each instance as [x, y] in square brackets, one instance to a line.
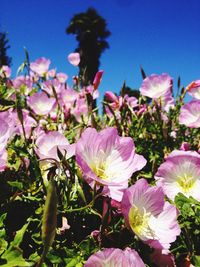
[99, 165]
[139, 222]
[186, 182]
[99, 169]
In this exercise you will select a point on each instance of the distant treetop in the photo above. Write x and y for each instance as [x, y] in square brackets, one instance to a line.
[91, 31]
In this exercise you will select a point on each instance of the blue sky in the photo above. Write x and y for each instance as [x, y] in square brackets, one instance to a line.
[162, 36]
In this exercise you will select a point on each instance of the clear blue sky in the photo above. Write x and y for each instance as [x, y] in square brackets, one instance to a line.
[162, 36]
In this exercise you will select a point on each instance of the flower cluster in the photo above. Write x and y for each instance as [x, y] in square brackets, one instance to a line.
[123, 186]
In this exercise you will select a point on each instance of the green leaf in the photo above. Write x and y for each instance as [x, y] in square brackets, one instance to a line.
[18, 185]
[196, 260]
[14, 255]
[2, 218]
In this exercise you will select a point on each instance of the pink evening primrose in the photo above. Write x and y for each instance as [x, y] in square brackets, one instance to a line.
[107, 159]
[115, 257]
[6, 131]
[5, 71]
[156, 86]
[40, 66]
[149, 216]
[74, 59]
[47, 144]
[97, 79]
[62, 77]
[190, 114]
[40, 103]
[180, 173]
[194, 89]
[163, 258]
[3, 159]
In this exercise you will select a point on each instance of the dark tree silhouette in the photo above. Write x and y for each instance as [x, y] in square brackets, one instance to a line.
[4, 59]
[91, 31]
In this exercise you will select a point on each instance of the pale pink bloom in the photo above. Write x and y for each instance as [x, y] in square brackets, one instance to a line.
[131, 101]
[163, 258]
[194, 89]
[166, 101]
[180, 173]
[142, 109]
[115, 257]
[65, 225]
[5, 71]
[190, 114]
[62, 77]
[107, 159]
[50, 86]
[23, 82]
[74, 59]
[156, 86]
[115, 103]
[110, 96]
[80, 111]
[40, 66]
[3, 159]
[173, 134]
[40, 103]
[6, 131]
[149, 216]
[97, 79]
[47, 145]
[52, 73]
[90, 90]
[68, 97]
[28, 123]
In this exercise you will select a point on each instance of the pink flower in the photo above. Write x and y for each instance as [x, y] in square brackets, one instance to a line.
[80, 111]
[180, 173]
[74, 59]
[28, 123]
[107, 159]
[166, 101]
[163, 258]
[131, 101]
[52, 73]
[115, 103]
[5, 71]
[6, 130]
[90, 90]
[185, 146]
[110, 96]
[194, 89]
[190, 114]
[97, 79]
[23, 82]
[47, 144]
[40, 66]
[48, 86]
[40, 103]
[156, 86]
[149, 216]
[3, 159]
[115, 257]
[68, 97]
[62, 77]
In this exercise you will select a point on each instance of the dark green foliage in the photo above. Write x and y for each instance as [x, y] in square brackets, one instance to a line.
[4, 58]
